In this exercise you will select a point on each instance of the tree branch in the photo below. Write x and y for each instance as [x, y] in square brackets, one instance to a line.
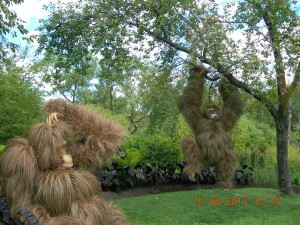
[283, 94]
[295, 81]
[259, 96]
[256, 94]
[213, 78]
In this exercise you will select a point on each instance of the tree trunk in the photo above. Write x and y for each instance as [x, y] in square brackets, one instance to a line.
[284, 182]
[289, 126]
[111, 96]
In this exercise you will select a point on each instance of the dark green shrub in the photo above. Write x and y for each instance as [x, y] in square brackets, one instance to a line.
[296, 179]
[250, 140]
[143, 160]
[132, 157]
[294, 163]
[182, 130]
[161, 150]
[1, 149]
[244, 175]
[158, 149]
[20, 106]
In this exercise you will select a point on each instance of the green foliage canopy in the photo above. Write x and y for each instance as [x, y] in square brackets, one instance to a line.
[254, 44]
[157, 149]
[160, 97]
[251, 140]
[8, 21]
[20, 104]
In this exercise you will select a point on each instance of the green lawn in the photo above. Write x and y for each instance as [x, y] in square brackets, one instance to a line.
[213, 206]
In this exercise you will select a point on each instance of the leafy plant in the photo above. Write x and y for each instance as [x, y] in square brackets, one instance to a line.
[294, 163]
[20, 104]
[251, 140]
[119, 176]
[244, 175]
[158, 149]
[207, 176]
[182, 129]
[131, 157]
[1, 149]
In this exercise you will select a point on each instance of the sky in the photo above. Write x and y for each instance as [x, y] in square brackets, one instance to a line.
[31, 11]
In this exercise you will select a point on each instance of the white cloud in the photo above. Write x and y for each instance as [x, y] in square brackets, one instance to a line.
[33, 9]
[29, 9]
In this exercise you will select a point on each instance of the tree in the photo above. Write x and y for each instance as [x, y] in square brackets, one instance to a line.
[70, 81]
[253, 44]
[8, 21]
[20, 103]
[115, 71]
[160, 94]
[112, 63]
[295, 117]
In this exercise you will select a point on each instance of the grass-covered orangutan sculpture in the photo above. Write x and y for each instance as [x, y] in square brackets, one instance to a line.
[40, 175]
[211, 145]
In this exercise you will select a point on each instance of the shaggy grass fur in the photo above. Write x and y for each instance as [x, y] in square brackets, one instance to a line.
[95, 211]
[48, 144]
[211, 145]
[38, 175]
[18, 169]
[85, 184]
[97, 137]
[63, 220]
[54, 190]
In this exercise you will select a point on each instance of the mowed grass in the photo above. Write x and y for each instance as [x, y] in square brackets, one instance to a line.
[213, 206]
